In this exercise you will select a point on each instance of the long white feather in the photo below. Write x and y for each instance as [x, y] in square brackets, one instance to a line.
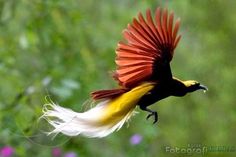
[106, 117]
[71, 123]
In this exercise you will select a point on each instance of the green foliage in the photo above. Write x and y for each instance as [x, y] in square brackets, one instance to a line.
[65, 50]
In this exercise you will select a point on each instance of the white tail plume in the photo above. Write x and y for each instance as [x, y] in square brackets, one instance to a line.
[106, 117]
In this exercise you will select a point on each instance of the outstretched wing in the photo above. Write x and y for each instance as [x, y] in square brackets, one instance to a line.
[149, 48]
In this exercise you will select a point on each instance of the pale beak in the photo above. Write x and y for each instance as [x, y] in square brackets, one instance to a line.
[203, 87]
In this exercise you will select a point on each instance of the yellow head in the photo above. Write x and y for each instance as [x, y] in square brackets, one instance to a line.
[193, 85]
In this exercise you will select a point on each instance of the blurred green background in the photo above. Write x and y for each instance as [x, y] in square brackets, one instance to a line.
[65, 49]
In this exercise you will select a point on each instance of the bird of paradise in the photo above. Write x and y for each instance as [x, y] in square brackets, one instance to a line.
[143, 74]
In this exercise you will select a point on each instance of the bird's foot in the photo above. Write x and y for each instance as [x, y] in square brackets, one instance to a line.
[153, 113]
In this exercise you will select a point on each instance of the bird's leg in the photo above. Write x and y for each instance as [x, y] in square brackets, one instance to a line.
[152, 113]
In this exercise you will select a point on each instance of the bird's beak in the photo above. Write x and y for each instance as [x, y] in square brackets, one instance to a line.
[203, 87]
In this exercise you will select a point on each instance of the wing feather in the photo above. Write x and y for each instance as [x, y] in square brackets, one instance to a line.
[150, 42]
[138, 49]
[145, 56]
[170, 27]
[159, 27]
[153, 28]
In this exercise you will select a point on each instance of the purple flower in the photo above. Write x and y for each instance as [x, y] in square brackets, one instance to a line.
[135, 139]
[6, 151]
[70, 154]
[56, 152]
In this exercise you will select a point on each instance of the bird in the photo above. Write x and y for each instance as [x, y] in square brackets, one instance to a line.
[143, 75]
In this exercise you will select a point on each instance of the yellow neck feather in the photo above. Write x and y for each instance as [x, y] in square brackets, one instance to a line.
[121, 106]
[189, 83]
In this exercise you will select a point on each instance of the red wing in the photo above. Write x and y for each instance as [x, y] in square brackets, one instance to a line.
[102, 94]
[148, 43]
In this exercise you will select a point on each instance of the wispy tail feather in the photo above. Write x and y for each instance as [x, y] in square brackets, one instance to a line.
[89, 123]
[105, 118]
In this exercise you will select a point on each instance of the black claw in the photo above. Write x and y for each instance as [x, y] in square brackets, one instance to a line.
[151, 113]
[155, 116]
[148, 116]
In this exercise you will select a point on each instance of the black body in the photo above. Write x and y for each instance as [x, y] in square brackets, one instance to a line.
[163, 89]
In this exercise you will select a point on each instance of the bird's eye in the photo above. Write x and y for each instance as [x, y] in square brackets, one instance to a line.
[196, 83]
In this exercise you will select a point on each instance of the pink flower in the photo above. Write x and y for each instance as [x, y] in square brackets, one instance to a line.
[135, 139]
[6, 151]
[56, 152]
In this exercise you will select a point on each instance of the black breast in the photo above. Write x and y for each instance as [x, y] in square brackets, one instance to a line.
[157, 93]
[162, 90]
